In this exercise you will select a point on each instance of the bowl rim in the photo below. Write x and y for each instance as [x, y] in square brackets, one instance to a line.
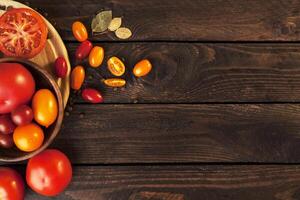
[60, 116]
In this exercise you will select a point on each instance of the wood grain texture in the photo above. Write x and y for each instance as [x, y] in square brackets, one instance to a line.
[263, 182]
[190, 20]
[197, 73]
[166, 133]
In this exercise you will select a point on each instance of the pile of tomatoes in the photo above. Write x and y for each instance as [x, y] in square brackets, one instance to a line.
[47, 173]
[24, 112]
[17, 90]
[95, 55]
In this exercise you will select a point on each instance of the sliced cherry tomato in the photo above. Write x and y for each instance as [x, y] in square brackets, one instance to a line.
[23, 33]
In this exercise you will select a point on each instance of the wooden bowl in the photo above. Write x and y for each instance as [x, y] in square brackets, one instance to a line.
[43, 80]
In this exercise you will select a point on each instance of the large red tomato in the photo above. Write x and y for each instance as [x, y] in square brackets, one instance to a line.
[11, 185]
[16, 86]
[23, 33]
[49, 172]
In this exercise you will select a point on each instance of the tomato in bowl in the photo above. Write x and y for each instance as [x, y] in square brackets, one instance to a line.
[44, 81]
[23, 33]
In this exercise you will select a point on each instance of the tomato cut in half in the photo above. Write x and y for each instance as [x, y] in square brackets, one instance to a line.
[23, 33]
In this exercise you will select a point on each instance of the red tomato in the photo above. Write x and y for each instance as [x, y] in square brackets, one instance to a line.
[49, 172]
[16, 86]
[22, 115]
[6, 141]
[61, 68]
[23, 33]
[11, 185]
[92, 95]
[6, 125]
[83, 50]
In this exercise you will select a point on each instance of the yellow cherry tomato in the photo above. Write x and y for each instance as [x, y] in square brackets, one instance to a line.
[142, 68]
[79, 31]
[28, 137]
[77, 77]
[96, 56]
[116, 66]
[115, 82]
[44, 106]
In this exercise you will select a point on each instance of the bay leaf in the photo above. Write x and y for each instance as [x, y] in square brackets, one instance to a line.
[102, 20]
[123, 33]
[115, 24]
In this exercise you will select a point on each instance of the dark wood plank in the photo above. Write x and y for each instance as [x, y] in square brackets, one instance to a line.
[191, 20]
[193, 73]
[183, 183]
[166, 133]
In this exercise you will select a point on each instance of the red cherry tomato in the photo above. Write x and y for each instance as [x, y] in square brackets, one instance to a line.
[6, 125]
[22, 115]
[83, 50]
[6, 141]
[11, 184]
[23, 33]
[16, 86]
[92, 95]
[61, 68]
[49, 172]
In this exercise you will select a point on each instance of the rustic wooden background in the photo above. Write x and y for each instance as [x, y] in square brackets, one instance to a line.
[218, 118]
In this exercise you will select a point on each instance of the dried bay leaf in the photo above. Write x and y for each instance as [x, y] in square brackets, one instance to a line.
[123, 33]
[115, 24]
[102, 20]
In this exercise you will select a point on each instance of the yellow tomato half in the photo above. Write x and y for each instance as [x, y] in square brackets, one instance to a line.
[44, 106]
[116, 66]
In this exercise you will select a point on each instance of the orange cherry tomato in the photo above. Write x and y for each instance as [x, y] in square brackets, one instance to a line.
[79, 31]
[115, 82]
[44, 106]
[28, 137]
[96, 56]
[77, 77]
[142, 68]
[116, 66]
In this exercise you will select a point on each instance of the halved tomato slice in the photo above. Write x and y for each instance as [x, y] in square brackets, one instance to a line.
[23, 33]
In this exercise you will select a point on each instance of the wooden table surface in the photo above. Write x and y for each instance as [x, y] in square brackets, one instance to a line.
[218, 118]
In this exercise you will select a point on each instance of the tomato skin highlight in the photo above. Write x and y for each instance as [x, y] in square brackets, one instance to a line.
[17, 86]
[79, 31]
[61, 67]
[92, 95]
[37, 33]
[49, 173]
[11, 184]
[96, 56]
[45, 108]
[28, 137]
[83, 50]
